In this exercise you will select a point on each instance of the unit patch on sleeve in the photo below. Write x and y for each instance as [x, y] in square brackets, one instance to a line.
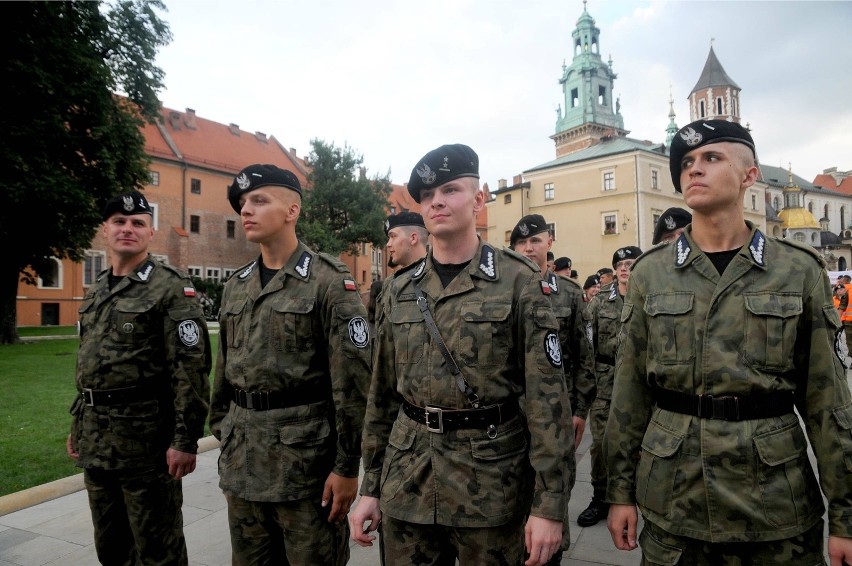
[552, 349]
[358, 332]
[189, 333]
[189, 291]
[545, 287]
[349, 285]
[841, 349]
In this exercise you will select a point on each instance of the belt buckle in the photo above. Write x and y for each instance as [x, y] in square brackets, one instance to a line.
[88, 398]
[438, 411]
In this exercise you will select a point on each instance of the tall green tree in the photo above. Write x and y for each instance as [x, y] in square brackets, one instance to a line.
[78, 80]
[342, 208]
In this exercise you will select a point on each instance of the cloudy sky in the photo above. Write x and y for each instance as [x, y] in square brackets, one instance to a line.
[394, 79]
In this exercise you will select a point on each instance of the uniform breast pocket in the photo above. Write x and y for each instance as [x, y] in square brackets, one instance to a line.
[670, 323]
[484, 334]
[235, 320]
[84, 317]
[292, 325]
[770, 330]
[133, 321]
[409, 332]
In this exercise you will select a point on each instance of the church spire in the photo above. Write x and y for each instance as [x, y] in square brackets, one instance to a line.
[715, 96]
[587, 113]
[672, 128]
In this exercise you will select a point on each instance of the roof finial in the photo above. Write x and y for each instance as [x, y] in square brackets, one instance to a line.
[584, 5]
[712, 39]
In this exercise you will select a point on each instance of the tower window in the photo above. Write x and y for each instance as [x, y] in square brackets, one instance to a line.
[719, 106]
[701, 111]
[602, 95]
[575, 98]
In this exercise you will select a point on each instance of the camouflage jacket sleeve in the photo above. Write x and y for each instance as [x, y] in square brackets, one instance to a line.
[583, 388]
[382, 403]
[188, 350]
[825, 404]
[220, 398]
[349, 348]
[586, 366]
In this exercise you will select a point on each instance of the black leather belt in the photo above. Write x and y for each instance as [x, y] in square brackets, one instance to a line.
[117, 396]
[438, 419]
[601, 359]
[266, 400]
[728, 407]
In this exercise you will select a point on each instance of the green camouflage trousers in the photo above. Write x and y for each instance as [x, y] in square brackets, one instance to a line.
[661, 547]
[137, 517]
[408, 544]
[288, 533]
[598, 415]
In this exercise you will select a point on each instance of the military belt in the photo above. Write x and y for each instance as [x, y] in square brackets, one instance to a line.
[267, 400]
[601, 359]
[728, 407]
[117, 396]
[438, 419]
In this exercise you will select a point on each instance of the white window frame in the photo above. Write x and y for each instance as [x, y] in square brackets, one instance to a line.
[604, 216]
[92, 270]
[213, 274]
[59, 276]
[606, 177]
[194, 271]
[549, 191]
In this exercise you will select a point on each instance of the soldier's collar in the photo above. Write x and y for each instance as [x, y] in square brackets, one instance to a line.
[247, 271]
[613, 292]
[419, 270]
[757, 248]
[143, 272]
[684, 251]
[486, 267]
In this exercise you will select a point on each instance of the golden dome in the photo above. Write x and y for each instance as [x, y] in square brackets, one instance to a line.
[798, 218]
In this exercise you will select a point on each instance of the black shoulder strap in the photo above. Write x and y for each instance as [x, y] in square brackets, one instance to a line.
[461, 382]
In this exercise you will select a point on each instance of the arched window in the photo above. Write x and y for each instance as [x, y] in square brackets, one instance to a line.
[841, 264]
[719, 106]
[52, 279]
[814, 238]
[811, 207]
[776, 202]
[701, 112]
[799, 237]
[842, 217]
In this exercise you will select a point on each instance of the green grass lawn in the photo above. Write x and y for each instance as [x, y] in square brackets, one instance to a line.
[28, 331]
[37, 385]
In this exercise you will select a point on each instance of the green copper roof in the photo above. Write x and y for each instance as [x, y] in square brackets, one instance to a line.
[612, 146]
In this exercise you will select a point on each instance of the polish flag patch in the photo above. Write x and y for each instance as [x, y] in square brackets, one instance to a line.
[189, 291]
[545, 288]
[349, 285]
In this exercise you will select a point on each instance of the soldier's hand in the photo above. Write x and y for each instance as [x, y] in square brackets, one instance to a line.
[340, 492]
[364, 519]
[180, 463]
[542, 538]
[579, 428]
[621, 523]
[840, 551]
[69, 447]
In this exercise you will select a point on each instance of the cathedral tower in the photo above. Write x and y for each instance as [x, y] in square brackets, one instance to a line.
[715, 96]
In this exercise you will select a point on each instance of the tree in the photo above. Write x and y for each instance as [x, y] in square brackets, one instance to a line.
[341, 208]
[69, 139]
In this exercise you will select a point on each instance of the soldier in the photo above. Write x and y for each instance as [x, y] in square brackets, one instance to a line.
[290, 387]
[724, 332]
[591, 287]
[601, 320]
[605, 277]
[551, 262]
[562, 266]
[142, 376]
[407, 237]
[671, 225]
[531, 237]
[460, 339]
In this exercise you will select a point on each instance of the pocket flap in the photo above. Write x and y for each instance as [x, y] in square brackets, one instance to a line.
[778, 446]
[485, 312]
[233, 308]
[297, 306]
[405, 312]
[843, 416]
[185, 313]
[668, 303]
[661, 442]
[510, 443]
[313, 431]
[133, 305]
[401, 437]
[626, 311]
[774, 304]
[86, 305]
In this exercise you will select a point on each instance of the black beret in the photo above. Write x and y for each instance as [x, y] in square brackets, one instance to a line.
[529, 225]
[591, 281]
[704, 132]
[550, 256]
[442, 165]
[129, 203]
[562, 263]
[627, 252]
[604, 271]
[404, 218]
[256, 176]
[672, 219]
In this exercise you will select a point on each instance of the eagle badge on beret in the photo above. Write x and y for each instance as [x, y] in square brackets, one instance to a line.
[243, 182]
[621, 253]
[128, 202]
[426, 174]
[691, 137]
[670, 223]
[523, 229]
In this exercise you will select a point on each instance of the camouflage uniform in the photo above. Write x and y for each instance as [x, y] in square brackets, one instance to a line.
[767, 324]
[146, 341]
[601, 322]
[498, 323]
[304, 337]
[567, 299]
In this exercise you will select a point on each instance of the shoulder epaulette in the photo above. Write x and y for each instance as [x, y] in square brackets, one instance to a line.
[333, 261]
[804, 247]
[175, 270]
[570, 281]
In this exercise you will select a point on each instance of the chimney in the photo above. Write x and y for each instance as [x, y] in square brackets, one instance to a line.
[261, 137]
[517, 180]
[293, 151]
[174, 119]
[501, 184]
[234, 129]
[189, 119]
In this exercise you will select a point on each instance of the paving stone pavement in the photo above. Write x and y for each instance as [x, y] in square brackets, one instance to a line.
[51, 525]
